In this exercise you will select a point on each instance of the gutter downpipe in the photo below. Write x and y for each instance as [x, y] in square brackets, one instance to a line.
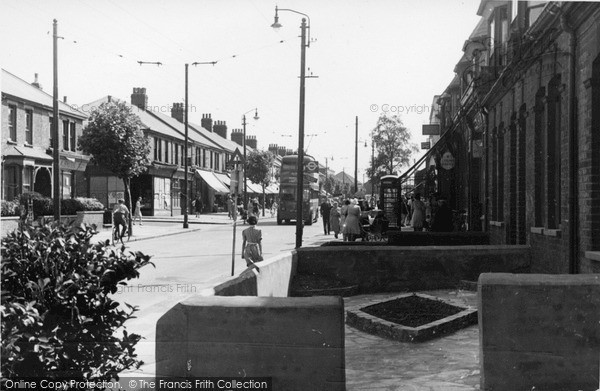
[573, 153]
[486, 216]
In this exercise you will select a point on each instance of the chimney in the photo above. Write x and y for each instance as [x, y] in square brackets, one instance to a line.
[139, 98]
[237, 136]
[220, 128]
[65, 99]
[289, 152]
[36, 83]
[281, 151]
[207, 122]
[177, 112]
[273, 149]
[251, 141]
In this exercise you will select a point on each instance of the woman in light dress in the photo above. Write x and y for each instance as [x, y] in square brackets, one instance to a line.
[352, 222]
[418, 213]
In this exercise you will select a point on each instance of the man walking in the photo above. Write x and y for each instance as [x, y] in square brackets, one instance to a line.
[325, 211]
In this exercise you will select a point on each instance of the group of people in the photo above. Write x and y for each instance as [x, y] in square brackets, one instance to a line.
[344, 219]
[434, 214]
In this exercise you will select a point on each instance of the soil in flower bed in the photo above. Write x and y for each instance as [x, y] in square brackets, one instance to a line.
[318, 285]
[412, 311]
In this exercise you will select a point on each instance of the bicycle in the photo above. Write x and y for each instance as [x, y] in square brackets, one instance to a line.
[117, 234]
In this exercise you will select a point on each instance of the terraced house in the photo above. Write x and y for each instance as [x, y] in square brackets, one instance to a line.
[27, 114]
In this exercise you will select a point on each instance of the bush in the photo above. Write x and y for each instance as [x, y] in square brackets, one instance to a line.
[44, 206]
[11, 208]
[58, 316]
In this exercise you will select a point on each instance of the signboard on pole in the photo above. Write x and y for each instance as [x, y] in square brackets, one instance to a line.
[425, 145]
[237, 157]
[431, 130]
[311, 167]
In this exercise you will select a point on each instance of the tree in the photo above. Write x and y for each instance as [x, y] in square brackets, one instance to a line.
[114, 138]
[259, 165]
[392, 142]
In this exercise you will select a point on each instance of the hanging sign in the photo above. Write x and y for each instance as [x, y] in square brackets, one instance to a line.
[425, 145]
[447, 161]
[431, 130]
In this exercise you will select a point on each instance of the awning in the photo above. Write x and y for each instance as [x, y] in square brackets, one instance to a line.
[223, 178]
[253, 187]
[212, 181]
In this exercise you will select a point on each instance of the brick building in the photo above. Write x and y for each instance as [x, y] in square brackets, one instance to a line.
[521, 120]
[27, 163]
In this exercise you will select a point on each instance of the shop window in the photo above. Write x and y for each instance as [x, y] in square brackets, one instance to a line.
[500, 172]
[67, 184]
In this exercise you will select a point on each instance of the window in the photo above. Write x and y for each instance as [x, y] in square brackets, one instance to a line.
[12, 122]
[157, 149]
[67, 184]
[11, 183]
[66, 135]
[29, 126]
[539, 198]
[177, 146]
[553, 145]
[167, 146]
[217, 156]
[50, 119]
[73, 137]
[27, 179]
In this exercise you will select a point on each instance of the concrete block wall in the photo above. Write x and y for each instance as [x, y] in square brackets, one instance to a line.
[397, 269]
[298, 342]
[539, 331]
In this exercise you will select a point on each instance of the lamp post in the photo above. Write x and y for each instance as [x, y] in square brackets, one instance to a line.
[300, 174]
[244, 125]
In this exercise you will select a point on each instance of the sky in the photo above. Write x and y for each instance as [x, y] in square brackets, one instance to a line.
[366, 57]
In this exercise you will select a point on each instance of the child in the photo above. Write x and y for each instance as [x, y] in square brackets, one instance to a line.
[251, 244]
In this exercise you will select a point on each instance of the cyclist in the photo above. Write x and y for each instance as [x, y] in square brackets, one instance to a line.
[120, 218]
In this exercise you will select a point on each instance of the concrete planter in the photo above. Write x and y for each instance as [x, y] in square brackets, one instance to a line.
[9, 224]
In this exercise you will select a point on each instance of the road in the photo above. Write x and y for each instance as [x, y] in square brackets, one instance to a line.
[188, 263]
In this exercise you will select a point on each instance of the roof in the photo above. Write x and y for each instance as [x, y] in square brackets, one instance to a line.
[179, 127]
[224, 143]
[27, 152]
[148, 120]
[17, 87]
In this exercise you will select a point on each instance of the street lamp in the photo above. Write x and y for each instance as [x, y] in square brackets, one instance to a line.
[244, 124]
[300, 173]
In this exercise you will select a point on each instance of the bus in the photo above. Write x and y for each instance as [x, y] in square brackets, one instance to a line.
[286, 211]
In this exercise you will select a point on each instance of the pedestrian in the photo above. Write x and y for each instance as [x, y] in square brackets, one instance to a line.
[352, 222]
[230, 209]
[409, 201]
[344, 214]
[255, 207]
[138, 211]
[443, 219]
[334, 219]
[120, 217]
[403, 211]
[325, 213]
[418, 213]
[252, 243]
[198, 204]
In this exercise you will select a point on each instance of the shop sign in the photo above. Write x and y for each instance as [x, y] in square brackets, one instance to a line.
[431, 130]
[425, 145]
[447, 161]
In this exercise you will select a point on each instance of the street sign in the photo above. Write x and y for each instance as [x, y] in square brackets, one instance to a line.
[311, 167]
[426, 145]
[237, 157]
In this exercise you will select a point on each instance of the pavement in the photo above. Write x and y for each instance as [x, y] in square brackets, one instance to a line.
[449, 363]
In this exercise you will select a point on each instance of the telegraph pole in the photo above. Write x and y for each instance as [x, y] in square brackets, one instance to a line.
[356, 156]
[55, 151]
[185, 156]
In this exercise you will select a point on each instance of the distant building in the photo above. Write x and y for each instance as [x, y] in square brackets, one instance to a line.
[27, 162]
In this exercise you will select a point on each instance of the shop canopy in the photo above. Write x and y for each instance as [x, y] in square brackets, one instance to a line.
[211, 180]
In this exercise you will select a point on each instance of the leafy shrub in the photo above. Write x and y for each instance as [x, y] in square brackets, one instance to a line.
[11, 208]
[58, 316]
[73, 205]
[44, 206]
